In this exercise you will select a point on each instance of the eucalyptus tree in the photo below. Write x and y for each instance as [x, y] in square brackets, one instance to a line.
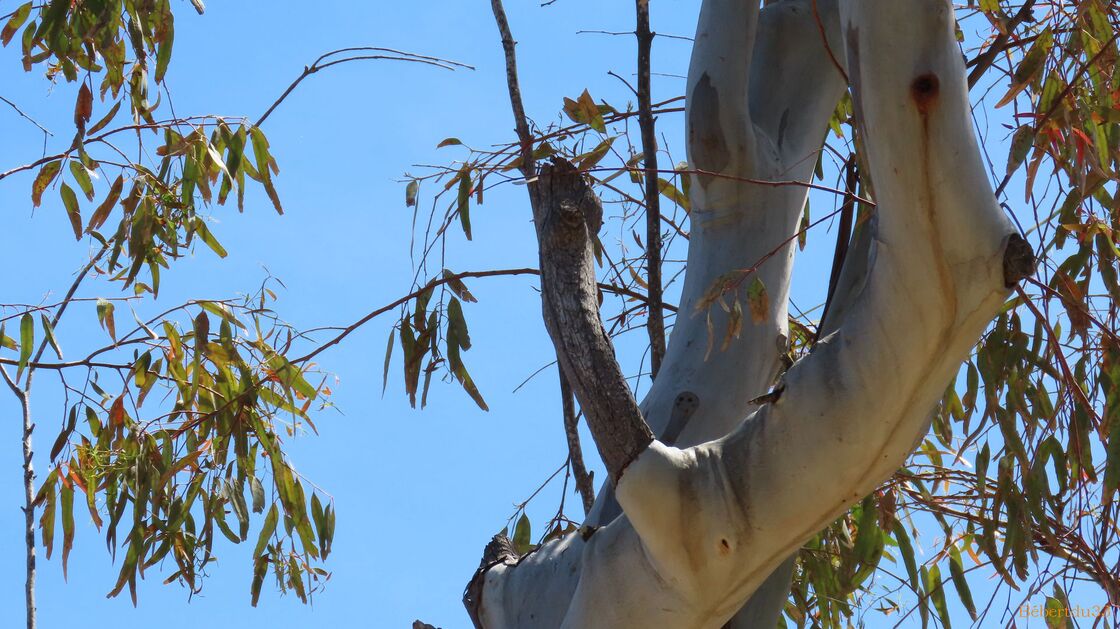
[737, 459]
[960, 375]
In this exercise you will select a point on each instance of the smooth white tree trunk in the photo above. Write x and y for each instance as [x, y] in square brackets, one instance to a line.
[706, 521]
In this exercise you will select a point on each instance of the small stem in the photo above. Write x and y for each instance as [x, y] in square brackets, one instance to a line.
[29, 509]
[575, 451]
[513, 84]
[28, 497]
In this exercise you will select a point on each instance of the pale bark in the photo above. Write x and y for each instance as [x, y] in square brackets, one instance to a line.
[708, 520]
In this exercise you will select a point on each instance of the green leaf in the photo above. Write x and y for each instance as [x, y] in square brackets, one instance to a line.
[458, 338]
[295, 578]
[43, 179]
[906, 549]
[48, 493]
[388, 358]
[937, 594]
[673, 194]
[26, 341]
[6, 341]
[956, 572]
[101, 124]
[48, 330]
[982, 460]
[102, 212]
[163, 55]
[267, 530]
[67, 524]
[16, 21]
[64, 436]
[257, 491]
[523, 535]
[1112, 465]
[132, 557]
[105, 317]
[260, 569]
[464, 199]
[81, 176]
[204, 233]
[449, 142]
[1021, 143]
[1031, 64]
[70, 202]
[592, 158]
[1058, 610]
[240, 509]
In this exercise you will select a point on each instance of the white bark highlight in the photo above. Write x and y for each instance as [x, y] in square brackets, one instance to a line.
[705, 525]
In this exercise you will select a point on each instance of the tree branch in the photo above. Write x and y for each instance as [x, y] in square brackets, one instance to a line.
[513, 84]
[390, 54]
[568, 215]
[988, 57]
[655, 323]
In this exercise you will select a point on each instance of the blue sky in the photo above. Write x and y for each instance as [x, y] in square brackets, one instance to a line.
[418, 494]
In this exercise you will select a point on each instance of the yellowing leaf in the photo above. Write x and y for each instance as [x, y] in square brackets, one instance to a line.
[758, 301]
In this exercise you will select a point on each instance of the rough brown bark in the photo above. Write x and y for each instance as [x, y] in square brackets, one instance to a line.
[568, 215]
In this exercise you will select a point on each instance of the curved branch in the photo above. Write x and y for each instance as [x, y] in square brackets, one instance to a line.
[568, 215]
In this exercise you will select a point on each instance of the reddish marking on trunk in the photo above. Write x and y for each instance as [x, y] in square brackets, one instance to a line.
[924, 91]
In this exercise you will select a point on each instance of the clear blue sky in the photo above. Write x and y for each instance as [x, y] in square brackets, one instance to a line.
[418, 493]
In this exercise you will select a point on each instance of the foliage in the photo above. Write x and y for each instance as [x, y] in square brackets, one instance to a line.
[161, 478]
[1018, 475]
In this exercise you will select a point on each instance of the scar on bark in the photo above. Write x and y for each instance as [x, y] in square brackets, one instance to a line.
[709, 145]
[1018, 260]
[924, 90]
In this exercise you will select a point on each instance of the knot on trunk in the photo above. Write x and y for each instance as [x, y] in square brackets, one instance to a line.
[567, 211]
[1018, 260]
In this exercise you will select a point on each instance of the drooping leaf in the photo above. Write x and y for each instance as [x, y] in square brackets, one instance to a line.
[26, 341]
[46, 175]
[70, 202]
[758, 300]
[106, 317]
[523, 535]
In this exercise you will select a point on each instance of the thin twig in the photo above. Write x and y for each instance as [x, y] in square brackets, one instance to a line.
[521, 123]
[389, 55]
[575, 451]
[29, 118]
[655, 321]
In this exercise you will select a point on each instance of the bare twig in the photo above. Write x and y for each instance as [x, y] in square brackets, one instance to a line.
[655, 321]
[387, 54]
[575, 451]
[521, 123]
[23, 114]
